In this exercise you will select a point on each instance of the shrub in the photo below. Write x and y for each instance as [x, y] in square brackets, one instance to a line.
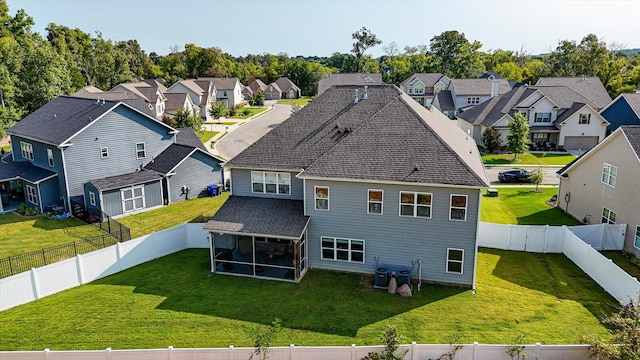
[232, 112]
[24, 209]
[240, 106]
[391, 340]
[246, 112]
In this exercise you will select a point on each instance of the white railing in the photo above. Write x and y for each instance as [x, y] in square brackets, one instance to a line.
[562, 239]
[415, 351]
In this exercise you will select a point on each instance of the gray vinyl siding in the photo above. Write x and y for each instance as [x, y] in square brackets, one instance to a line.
[396, 241]
[49, 194]
[241, 186]
[196, 172]
[112, 199]
[119, 130]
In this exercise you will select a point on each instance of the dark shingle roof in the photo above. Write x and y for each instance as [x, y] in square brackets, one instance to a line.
[633, 134]
[387, 137]
[570, 111]
[188, 137]
[169, 158]
[221, 83]
[23, 170]
[130, 179]
[445, 100]
[249, 215]
[478, 86]
[428, 79]
[285, 84]
[347, 79]
[175, 101]
[590, 88]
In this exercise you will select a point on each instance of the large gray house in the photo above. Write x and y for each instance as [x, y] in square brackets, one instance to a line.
[362, 179]
[78, 154]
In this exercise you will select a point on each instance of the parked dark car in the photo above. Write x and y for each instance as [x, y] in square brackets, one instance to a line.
[514, 175]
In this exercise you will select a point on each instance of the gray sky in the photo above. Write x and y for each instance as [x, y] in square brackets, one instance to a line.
[242, 27]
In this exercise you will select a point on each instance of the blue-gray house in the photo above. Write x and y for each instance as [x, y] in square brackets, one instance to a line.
[623, 110]
[363, 179]
[78, 154]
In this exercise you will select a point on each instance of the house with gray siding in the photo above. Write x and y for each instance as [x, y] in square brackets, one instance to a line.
[364, 179]
[105, 156]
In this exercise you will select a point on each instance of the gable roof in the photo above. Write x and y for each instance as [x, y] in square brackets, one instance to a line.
[285, 84]
[169, 158]
[632, 132]
[256, 85]
[175, 101]
[347, 79]
[564, 96]
[387, 137]
[65, 116]
[129, 179]
[428, 79]
[445, 100]
[187, 136]
[149, 90]
[632, 99]
[221, 83]
[589, 87]
[463, 87]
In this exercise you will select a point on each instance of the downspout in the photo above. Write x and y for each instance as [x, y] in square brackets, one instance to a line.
[39, 198]
[475, 254]
[67, 202]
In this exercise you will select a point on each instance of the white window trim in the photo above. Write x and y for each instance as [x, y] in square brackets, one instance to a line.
[608, 175]
[31, 189]
[316, 198]
[535, 120]
[455, 261]
[375, 202]
[588, 119]
[608, 215]
[451, 207]
[133, 198]
[92, 198]
[636, 237]
[104, 152]
[144, 149]
[335, 250]
[26, 150]
[50, 158]
[264, 182]
[415, 204]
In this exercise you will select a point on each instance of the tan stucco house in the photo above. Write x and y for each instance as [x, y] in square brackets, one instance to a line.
[603, 185]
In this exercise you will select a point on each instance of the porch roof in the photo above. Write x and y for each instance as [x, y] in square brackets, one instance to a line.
[24, 170]
[259, 216]
[130, 179]
[550, 128]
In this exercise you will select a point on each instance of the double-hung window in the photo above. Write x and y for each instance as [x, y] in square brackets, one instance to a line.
[339, 249]
[92, 198]
[636, 240]
[140, 151]
[543, 117]
[269, 182]
[458, 207]
[322, 197]
[608, 216]
[26, 150]
[132, 198]
[374, 202]
[50, 157]
[609, 174]
[32, 197]
[584, 119]
[104, 152]
[415, 204]
[455, 260]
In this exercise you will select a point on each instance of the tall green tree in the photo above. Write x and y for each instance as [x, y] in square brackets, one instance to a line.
[491, 139]
[455, 56]
[518, 137]
[184, 118]
[364, 39]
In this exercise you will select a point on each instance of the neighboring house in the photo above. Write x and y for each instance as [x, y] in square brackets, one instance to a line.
[288, 88]
[466, 93]
[76, 153]
[177, 101]
[330, 80]
[603, 185]
[423, 87]
[92, 92]
[589, 87]
[354, 184]
[201, 92]
[272, 92]
[151, 91]
[623, 110]
[228, 90]
[558, 117]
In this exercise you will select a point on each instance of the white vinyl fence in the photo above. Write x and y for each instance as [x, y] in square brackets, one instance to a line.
[563, 239]
[415, 351]
[53, 278]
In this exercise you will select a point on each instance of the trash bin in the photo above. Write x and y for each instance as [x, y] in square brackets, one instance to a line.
[212, 190]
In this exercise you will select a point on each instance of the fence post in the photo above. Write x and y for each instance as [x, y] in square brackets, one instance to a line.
[537, 352]
[526, 237]
[602, 235]
[79, 269]
[230, 352]
[34, 283]
[546, 235]
[170, 351]
[508, 236]
[353, 351]
[292, 348]
[475, 350]
[107, 352]
[46, 353]
[414, 356]
[119, 255]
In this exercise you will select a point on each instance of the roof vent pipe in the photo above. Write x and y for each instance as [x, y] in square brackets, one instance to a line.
[355, 100]
[365, 96]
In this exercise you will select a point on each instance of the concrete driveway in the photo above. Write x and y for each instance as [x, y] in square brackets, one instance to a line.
[240, 137]
[550, 177]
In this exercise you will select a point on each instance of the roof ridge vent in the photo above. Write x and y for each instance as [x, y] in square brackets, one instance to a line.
[355, 100]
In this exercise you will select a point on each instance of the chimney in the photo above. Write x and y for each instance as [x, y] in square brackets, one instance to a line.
[495, 88]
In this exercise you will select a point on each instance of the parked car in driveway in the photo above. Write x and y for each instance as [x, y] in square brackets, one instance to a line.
[514, 175]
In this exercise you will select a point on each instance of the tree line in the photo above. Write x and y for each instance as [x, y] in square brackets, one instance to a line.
[35, 69]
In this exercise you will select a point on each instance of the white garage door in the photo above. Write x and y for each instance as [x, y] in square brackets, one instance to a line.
[580, 142]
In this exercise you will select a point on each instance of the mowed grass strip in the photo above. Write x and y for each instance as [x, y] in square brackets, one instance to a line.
[192, 210]
[518, 205]
[20, 235]
[173, 301]
[528, 159]
[301, 101]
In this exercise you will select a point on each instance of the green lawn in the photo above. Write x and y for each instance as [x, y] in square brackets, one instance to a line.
[619, 259]
[174, 301]
[528, 159]
[19, 235]
[205, 136]
[302, 101]
[252, 111]
[523, 207]
[193, 210]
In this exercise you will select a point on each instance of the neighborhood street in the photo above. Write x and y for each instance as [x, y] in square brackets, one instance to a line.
[242, 136]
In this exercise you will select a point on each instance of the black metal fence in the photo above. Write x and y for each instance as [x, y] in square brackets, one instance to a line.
[102, 221]
[23, 262]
